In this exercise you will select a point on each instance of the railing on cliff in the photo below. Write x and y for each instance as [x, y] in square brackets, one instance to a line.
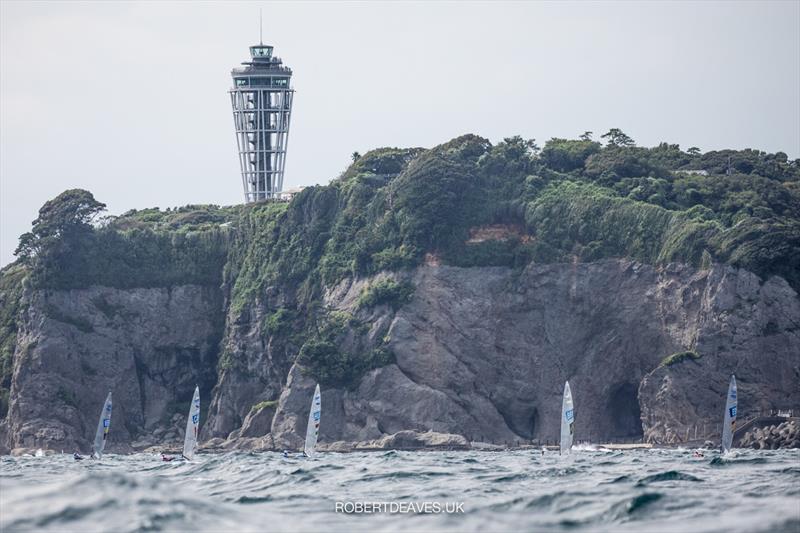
[700, 433]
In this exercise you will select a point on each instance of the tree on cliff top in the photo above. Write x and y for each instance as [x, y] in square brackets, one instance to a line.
[67, 215]
[617, 137]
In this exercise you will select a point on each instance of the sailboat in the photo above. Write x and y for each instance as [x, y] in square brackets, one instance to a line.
[729, 425]
[192, 427]
[567, 420]
[103, 426]
[312, 431]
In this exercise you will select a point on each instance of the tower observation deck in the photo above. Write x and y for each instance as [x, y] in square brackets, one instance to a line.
[261, 98]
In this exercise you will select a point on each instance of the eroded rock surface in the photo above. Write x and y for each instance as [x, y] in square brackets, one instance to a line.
[478, 352]
[149, 346]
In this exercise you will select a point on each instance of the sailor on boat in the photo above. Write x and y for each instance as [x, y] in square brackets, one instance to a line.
[301, 455]
[77, 456]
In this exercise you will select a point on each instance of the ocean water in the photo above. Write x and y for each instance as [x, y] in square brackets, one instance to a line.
[637, 490]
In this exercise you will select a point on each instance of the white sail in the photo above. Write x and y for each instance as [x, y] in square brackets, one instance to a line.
[192, 426]
[102, 429]
[729, 425]
[312, 431]
[567, 420]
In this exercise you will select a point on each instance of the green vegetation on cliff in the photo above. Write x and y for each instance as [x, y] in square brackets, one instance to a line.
[386, 292]
[465, 203]
[11, 279]
[335, 352]
[148, 248]
[679, 357]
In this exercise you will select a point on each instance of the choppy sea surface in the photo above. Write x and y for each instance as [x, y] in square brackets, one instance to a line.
[636, 490]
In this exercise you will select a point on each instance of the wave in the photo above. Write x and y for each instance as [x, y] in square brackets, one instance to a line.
[722, 461]
[500, 491]
[633, 506]
[92, 500]
[670, 475]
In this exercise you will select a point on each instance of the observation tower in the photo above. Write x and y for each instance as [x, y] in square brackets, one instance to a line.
[261, 98]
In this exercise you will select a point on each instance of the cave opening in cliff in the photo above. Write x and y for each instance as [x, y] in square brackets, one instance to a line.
[623, 405]
[532, 424]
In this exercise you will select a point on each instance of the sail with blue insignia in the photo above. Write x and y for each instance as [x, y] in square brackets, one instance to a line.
[192, 426]
[103, 425]
[729, 425]
[312, 431]
[567, 420]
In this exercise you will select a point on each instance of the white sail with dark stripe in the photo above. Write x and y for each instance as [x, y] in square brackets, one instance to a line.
[567, 420]
[103, 425]
[729, 425]
[312, 431]
[192, 426]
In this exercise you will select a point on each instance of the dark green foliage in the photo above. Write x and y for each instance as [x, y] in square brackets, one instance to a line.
[325, 362]
[764, 247]
[277, 321]
[190, 218]
[334, 358]
[381, 162]
[136, 258]
[333, 367]
[513, 156]
[774, 166]
[565, 155]
[617, 162]
[11, 279]
[592, 223]
[680, 356]
[146, 248]
[386, 292]
[616, 137]
[394, 208]
[669, 156]
[61, 221]
[435, 201]
[385, 222]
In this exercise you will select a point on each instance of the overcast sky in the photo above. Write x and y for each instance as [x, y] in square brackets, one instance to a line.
[129, 100]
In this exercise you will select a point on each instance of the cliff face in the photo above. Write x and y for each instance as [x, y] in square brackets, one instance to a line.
[484, 352]
[481, 352]
[746, 327]
[453, 289]
[149, 346]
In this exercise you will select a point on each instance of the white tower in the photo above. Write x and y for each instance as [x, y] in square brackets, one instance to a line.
[261, 98]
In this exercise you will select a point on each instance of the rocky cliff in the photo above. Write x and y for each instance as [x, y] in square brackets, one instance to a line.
[484, 352]
[479, 352]
[148, 346]
[442, 291]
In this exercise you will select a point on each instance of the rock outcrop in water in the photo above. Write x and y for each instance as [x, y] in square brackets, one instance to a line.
[447, 291]
[784, 435]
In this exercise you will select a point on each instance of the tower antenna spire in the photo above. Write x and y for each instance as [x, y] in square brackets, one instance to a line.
[260, 26]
